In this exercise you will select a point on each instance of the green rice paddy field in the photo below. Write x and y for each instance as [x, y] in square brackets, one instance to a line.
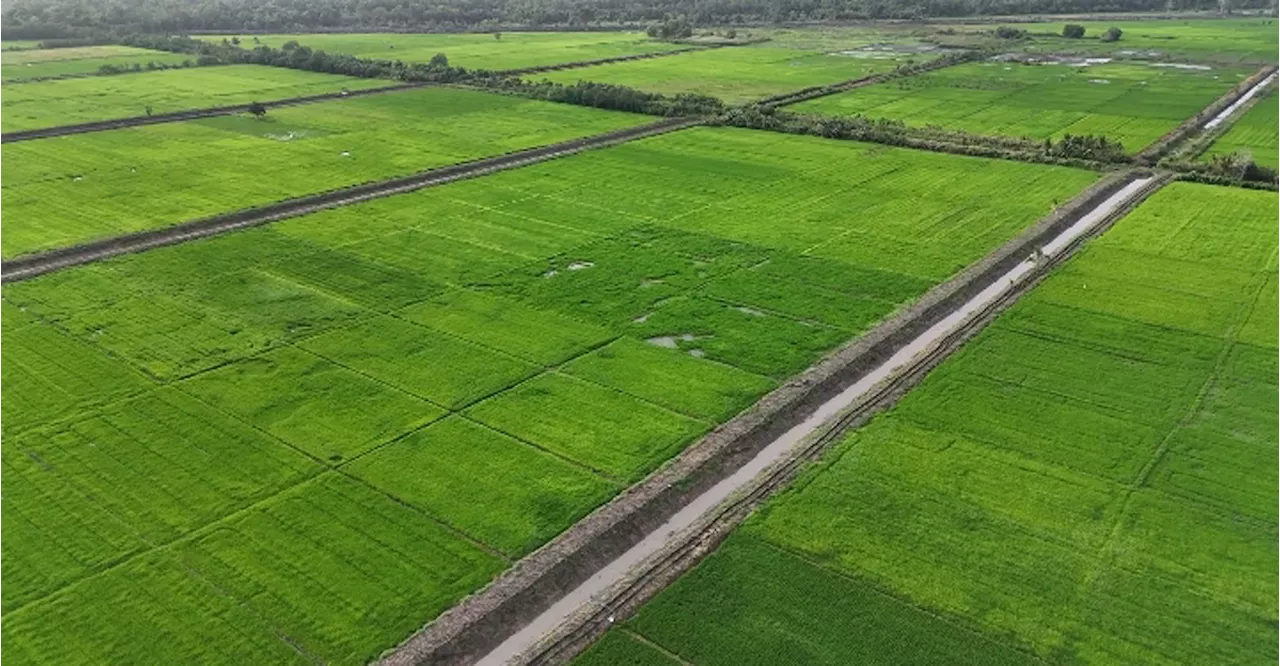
[1134, 103]
[81, 100]
[1091, 480]
[301, 442]
[1255, 133]
[734, 74]
[71, 189]
[48, 63]
[1242, 40]
[514, 50]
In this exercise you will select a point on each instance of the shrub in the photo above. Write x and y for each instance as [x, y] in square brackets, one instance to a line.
[1072, 31]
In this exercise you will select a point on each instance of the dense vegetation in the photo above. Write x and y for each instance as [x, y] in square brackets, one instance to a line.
[1092, 479]
[455, 375]
[34, 19]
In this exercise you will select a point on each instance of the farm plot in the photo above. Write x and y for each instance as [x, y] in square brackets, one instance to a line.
[51, 63]
[77, 188]
[67, 102]
[735, 74]
[1092, 479]
[507, 50]
[1254, 133]
[1246, 40]
[455, 375]
[1134, 103]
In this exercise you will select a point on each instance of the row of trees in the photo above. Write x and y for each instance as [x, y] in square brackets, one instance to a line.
[1080, 151]
[38, 19]
[437, 70]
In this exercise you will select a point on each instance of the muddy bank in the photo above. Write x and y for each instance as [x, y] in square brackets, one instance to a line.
[482, 622]
[29, 266]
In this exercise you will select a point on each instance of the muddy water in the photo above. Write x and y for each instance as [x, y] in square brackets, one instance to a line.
[1226, 113]
[777, 450]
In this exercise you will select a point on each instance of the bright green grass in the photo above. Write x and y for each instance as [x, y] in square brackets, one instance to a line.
[19, 44]
[88, 492]
[514, 50]
[77, 188]
[315, 405]
[603, 428]
[619, 648]
[437, 367]
[734, 74]
[772, 607]
[670, 378]
[46, 63]
[1084, 481]
[1255, 133]
[499, 489]
[1134, 103]
[260, 586]
[518, 303]
[82, 100]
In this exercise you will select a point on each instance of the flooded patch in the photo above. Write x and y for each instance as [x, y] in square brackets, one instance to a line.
[291, 135]
[671, 341]
[643, 318]
[1099, 81]
[1181, 65]
[346, 153]
[551, 273]
[651, 282]
[579, 265]
[697, 353]
[749, 311]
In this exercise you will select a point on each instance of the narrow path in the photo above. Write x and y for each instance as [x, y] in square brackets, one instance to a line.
[540, 640]
[191, 114]
[29, 266]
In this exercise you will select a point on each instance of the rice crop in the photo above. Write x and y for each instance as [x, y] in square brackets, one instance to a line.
[72, 189]
[81, 100]
[734, 74]
[49, 63]
[1091, 479]
[508, 50]
[379, 407]
[1134, 103]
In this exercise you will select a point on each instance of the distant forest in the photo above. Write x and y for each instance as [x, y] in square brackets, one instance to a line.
[41, 19]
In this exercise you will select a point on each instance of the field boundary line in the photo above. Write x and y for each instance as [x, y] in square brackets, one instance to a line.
[193, 114]
[479, 624]
[29, 266]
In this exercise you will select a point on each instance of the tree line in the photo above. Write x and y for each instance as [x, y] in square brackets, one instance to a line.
[40, 19]
[438, 70]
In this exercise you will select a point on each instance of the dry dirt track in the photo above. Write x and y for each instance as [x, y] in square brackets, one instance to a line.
[29, 266]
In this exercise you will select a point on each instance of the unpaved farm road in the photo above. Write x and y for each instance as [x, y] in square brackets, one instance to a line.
[522, 647]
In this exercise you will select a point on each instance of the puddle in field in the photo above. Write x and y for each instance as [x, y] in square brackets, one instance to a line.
[551, 273]
[579, 265]
[651, 282]
[1181, 65]
[671, 341]
[697, 353]
[291, 135]
[1099, 80]
[643, 318]
[749, 311]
